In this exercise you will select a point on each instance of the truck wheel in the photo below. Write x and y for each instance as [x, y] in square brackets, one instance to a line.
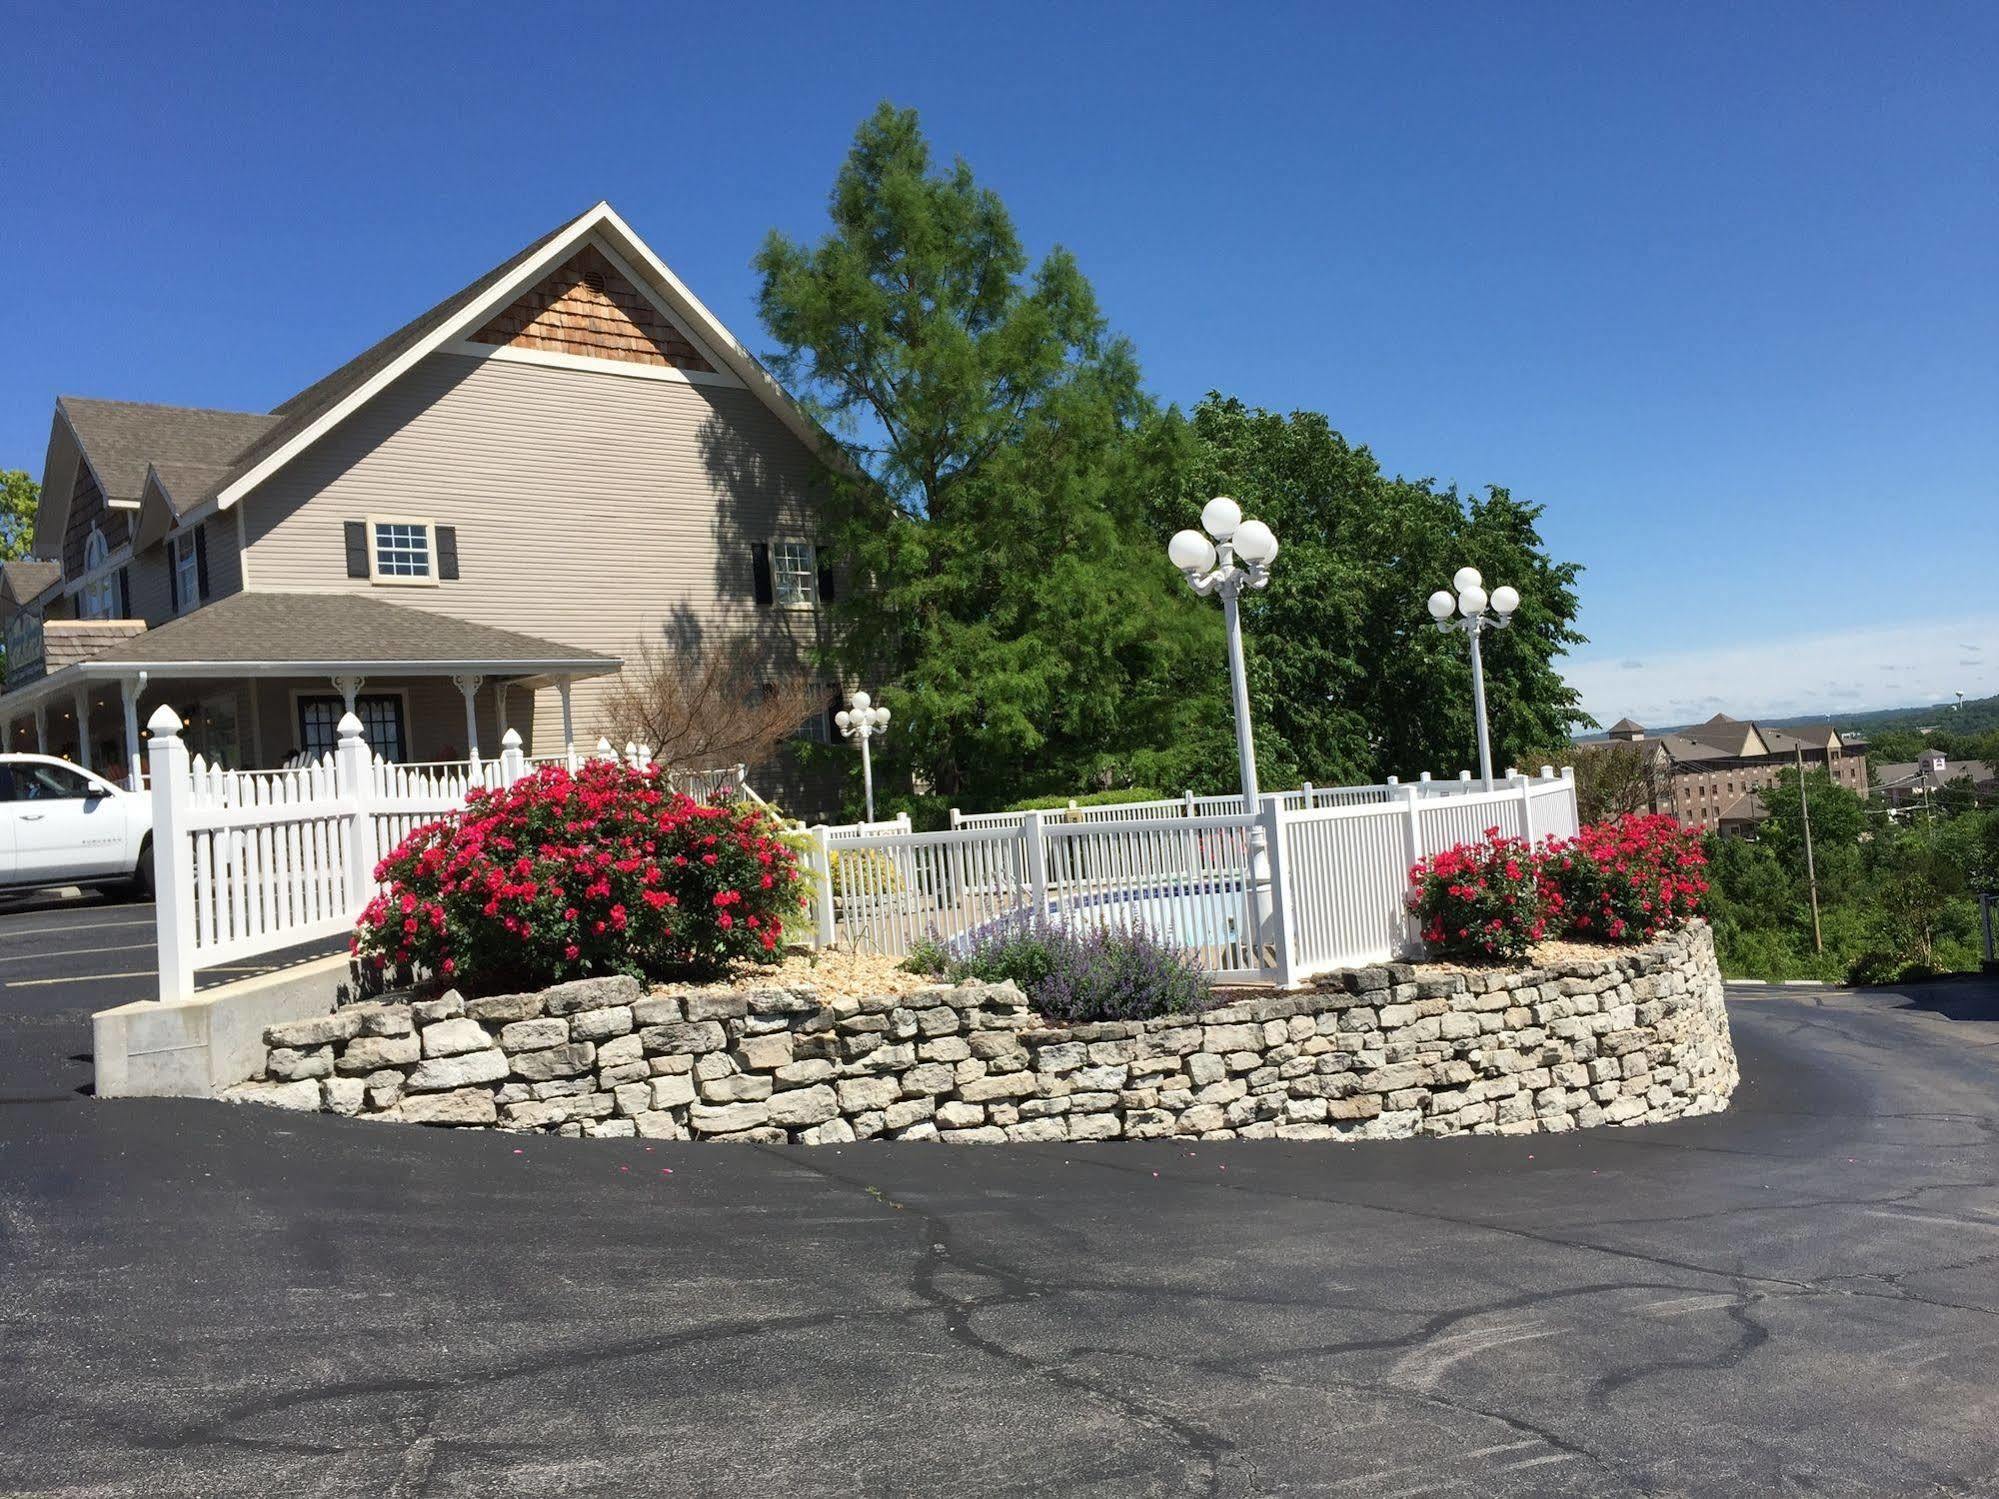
[141, 885]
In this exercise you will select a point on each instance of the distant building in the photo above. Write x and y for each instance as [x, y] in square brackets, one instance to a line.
[1905, 783]
[1708, 776]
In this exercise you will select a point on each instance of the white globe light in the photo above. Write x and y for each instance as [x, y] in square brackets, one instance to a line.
[1255, 542]
[1505, 600]
[1471, 601]
[1191, 551]
[1441, 605]
[861, 702]
[843, 719]
[1220, 516]
[881, 715]
[1467, 577]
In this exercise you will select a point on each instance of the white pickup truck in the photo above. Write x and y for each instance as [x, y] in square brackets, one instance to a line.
[62, 825]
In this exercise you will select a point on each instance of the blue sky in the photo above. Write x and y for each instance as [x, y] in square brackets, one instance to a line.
[1718, 285]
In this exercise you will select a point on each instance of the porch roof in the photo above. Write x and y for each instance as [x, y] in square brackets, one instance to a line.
[316, 635]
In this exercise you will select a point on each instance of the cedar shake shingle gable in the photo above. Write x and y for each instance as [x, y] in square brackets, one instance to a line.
[587, 308]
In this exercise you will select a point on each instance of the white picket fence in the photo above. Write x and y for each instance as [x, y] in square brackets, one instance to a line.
[253, 862]
[1315, 880]
[248, 863]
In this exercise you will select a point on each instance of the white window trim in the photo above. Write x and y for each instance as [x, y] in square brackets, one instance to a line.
[186, 598]
[777, 574]
[386, 580]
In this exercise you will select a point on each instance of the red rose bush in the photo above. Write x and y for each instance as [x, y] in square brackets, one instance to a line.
[1479, 900]
[1626, 880]
[564, 876]
[1629, 879]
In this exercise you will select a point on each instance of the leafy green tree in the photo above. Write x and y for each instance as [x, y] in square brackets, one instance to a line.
[19, 496]
[1349, 680]
[1018, 612]
[1611, 779]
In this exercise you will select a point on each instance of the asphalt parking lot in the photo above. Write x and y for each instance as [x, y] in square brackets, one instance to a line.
[1793, 1297]
[65, 954]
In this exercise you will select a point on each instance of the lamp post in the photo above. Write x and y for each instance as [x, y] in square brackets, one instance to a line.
[862, 720]
[1470, 608]
[1239, 556]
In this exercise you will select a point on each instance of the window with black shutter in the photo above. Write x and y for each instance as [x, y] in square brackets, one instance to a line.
[766, 590]
[825, 575]
[357, 548]
[124, 593]
[201, 562]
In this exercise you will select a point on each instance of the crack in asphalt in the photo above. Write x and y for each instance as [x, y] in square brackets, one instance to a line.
[1207, 1452]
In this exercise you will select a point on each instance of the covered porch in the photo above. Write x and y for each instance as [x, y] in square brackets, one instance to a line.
[263, 679]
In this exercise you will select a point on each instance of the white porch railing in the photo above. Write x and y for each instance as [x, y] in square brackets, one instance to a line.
[251, 862]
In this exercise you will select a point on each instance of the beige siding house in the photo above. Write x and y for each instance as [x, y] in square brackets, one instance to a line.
[466, 529]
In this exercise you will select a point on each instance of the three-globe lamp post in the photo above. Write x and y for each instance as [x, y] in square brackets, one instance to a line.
[862, 720]
[1474, 612]
[1233, 555]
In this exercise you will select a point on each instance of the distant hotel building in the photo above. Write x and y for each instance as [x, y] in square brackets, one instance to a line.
[1709, 776]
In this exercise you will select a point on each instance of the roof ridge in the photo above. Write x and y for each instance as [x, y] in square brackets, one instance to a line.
[165, 406]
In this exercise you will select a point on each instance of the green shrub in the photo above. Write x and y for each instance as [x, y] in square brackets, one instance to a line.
[1091, 799]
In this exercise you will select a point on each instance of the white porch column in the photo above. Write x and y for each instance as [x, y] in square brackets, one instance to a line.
[349, 688]
[568, 724]
[469, 686]
[83, 727]
[41, 728]
[129, 689]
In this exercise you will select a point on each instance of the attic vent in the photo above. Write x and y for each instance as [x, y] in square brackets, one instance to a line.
[594, 280]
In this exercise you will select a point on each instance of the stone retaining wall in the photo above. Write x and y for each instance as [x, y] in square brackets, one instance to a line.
[1380, 1052]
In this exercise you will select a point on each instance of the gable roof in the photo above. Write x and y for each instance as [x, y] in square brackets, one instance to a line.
[1729, 735]
[242, 449]
[322, 405]
[121, 439]
[25, 579]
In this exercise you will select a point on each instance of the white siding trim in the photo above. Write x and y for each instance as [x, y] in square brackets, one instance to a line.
[557, 360]
[683, 306]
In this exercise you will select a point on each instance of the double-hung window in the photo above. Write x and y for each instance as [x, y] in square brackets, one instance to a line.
[187, 572]
[794, 574]
[401, 551]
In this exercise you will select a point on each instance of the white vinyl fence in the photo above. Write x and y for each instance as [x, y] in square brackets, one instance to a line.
[248, 863]
[252, 862]
[1315, 880]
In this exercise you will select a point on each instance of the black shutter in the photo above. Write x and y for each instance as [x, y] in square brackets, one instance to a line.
[201, 561]
[825, 575]
[124, 593]
[173, 574]
[357, 548]
[760, 571]
[447, 553]
[832, 728]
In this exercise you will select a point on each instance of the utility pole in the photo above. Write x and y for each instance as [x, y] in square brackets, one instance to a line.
[1811, 869]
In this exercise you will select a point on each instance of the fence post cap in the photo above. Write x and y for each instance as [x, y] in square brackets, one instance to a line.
[1423, 776]
[164, 721]
[1397, 780]
[349, 726]
[511, 739]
